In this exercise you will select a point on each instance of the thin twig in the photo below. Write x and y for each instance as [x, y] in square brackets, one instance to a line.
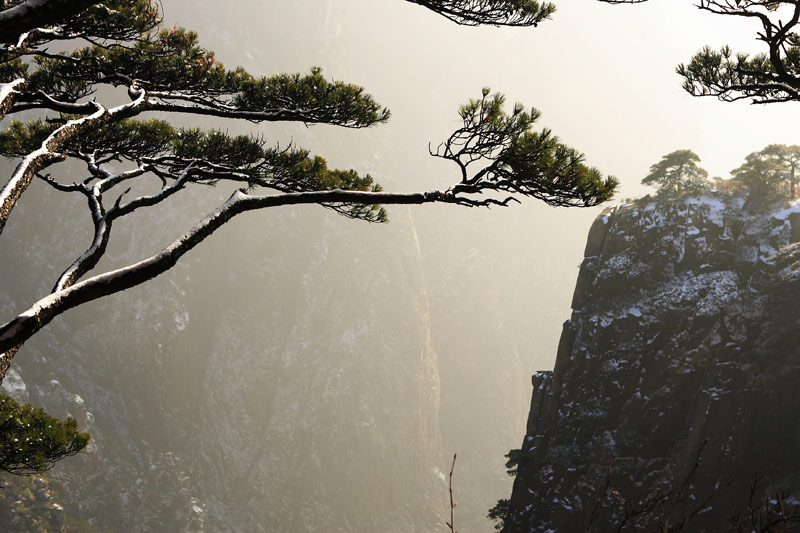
[451, 523]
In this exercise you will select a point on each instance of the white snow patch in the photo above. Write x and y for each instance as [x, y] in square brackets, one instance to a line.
[767, 252]
[181, 320]
[714, 210]
[7, 88]
[14, 386]
[783, 214]
[348, 338]
[713, 392]
[709, 291]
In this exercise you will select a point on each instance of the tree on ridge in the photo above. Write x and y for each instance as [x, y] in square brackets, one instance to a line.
[788, 157]
[768, 175]
[677, 174]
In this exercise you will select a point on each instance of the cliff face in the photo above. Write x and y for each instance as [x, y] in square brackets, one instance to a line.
[676, 375]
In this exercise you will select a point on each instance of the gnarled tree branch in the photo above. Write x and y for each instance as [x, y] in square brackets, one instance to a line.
[31, 14]
[492, 12]
[26, 324]
[48, 152]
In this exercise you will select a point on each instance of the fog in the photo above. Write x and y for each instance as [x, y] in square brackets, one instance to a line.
[247, 346]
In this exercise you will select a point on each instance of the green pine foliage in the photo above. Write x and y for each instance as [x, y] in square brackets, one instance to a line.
[762, 77]
[116, 19]
[677, 174]
[766, 177]
[314, 172]
[340, 103]
[168, 60]
[515, 457]
[31, 441]
[499, 512]
[767, 77]
[732, 76]
[172, 62]
[517, 160]
[787, 160]
[553, 172]
[769, 175]
[110, 20]
[12, 69]
[494, 12]
[181, 76]
[129, 139]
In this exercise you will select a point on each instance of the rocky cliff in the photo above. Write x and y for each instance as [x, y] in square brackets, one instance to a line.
[675, 384]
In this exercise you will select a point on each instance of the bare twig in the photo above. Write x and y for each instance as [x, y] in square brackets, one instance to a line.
[451, 523]
[599, 504]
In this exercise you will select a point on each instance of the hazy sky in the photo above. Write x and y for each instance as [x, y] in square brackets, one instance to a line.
[603, 77]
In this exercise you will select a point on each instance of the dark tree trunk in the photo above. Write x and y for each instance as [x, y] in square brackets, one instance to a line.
[37, 13]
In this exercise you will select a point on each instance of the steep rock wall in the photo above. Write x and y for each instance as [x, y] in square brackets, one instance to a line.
[676, 375]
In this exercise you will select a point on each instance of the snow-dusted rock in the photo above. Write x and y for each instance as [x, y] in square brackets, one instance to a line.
[684, 329]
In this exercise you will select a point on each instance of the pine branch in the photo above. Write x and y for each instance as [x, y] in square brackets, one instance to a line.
[8, 92]
[15, 332]
[490, 12]
[31, 14]
[48, 152]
